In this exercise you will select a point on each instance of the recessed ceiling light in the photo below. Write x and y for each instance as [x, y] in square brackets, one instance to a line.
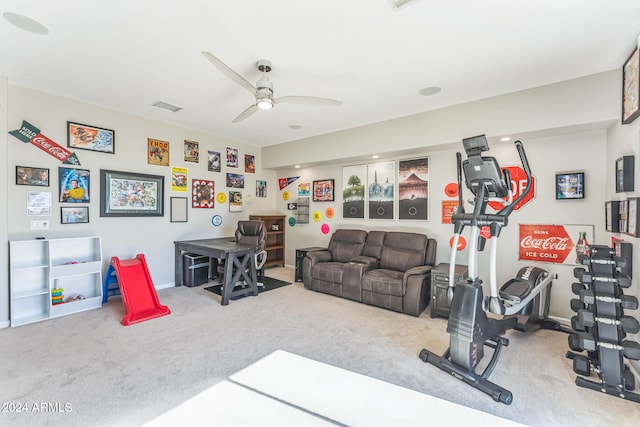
[505, 138]
[431, 90]
[297, 166]
[25, 23]
[296, 127]
[375, 156]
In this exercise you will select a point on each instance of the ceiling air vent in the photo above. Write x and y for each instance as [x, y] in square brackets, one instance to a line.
[400, 4]
[166, 106]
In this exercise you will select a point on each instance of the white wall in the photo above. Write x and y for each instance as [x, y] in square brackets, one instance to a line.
[4, 220]
[121, 237]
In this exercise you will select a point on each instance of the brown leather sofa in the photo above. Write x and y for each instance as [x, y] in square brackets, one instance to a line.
[387, 269]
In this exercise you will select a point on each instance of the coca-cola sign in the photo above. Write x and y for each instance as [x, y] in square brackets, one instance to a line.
[29, 133]
[545, 243]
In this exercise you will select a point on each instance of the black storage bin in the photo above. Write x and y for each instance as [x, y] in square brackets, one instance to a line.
[196, 270]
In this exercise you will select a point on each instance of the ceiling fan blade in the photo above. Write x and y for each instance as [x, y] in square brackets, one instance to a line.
[308, 100]
[246, 113]
[229, 72]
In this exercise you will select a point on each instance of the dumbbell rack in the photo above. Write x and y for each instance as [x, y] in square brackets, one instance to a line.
[600, 324]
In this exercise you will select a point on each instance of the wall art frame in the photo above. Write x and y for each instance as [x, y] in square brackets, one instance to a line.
[178, 209]
[92, 138]
[124, 194]
[631, 88]
[570, 185]
[74, 214]
[27, 175]
[74, 185]
[323, 190]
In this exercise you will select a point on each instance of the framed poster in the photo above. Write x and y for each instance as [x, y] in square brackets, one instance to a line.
[381, 181]
[570, 185]
[157, 152]
[413, 189]
[86, 137]
[235, 201]
[249, 163]
[353, 186]
[74, 214]
[235, 180]
[131, 194]
[26, 175]
[202, 191]
[261, 188]
[74, 185]
[323, 190]
[232, 157]
[179, 179]
[191, 151]
[631, 88]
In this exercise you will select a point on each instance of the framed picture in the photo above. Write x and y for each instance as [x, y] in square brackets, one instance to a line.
[191, 151]
[235, 201]
[157, 152]
[92, 138]
[74, 214]
[202, 191]
[413, 189]
[249, 163]
[323, 190]
[131, 194]
[74, 185]
[570, 185]
[39, 203]
[179, 212]
[32, 176]
[261, 188]
[235, 180]
[631, 88]
[213, 161]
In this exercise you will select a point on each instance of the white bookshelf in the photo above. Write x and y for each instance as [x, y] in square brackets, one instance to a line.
[40, 265]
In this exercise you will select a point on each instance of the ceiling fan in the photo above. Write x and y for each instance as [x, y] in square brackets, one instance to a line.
[263, 89]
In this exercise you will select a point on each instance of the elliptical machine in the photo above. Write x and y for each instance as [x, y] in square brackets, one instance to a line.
[523, 302]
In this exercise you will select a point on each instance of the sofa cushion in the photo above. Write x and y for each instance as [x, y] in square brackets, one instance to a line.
[373, 244]
[346, 244]
[402, 251]
[387, 282]
[328, 272]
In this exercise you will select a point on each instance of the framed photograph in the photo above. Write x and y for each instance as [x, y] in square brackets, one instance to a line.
[131, 194]
[261, 188]
[74, 185]
[74, 214]
[249, 163]
[235, 201]
[232, 157]
[631, 88]
[413, 189]
[92, 138]
[323, 190]
[570, 185]
[32, 176]
[179, 211]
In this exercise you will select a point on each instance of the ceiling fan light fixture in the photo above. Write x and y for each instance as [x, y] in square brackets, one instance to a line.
[264, 103]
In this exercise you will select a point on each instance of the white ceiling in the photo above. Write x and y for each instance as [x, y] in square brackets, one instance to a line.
[128, 54]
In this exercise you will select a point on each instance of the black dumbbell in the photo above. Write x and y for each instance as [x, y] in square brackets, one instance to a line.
[579, 341]
[577, 287]
[576, 325]
[581, 365]
[576, 304]
[631, 349]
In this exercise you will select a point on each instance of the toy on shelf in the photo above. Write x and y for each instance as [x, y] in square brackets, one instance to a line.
[56, 296]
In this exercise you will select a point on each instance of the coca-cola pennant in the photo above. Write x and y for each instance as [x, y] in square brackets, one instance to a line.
[29, 133]
[552, 243]
[283, 182]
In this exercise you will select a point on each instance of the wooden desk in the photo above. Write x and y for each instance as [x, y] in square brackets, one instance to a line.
[236, 255]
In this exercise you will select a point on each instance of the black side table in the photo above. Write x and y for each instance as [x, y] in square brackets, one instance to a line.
[440, 305]
[300, 254]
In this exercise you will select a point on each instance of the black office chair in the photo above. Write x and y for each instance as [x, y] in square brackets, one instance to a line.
[251, 233]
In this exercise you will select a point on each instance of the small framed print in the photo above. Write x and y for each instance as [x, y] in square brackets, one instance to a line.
[74, 214]
[631, 88]
[179, 211]
[570, 185]
[92, 138]
[26, 175]
[323, 190]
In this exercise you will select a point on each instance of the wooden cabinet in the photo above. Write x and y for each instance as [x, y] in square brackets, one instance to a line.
[38, 268]
[275, 246]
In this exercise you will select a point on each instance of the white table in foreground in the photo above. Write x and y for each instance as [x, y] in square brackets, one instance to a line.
[353, 399]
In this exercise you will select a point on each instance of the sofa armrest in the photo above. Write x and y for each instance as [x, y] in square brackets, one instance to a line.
[309, 261]
[416, 286]
[369, 261]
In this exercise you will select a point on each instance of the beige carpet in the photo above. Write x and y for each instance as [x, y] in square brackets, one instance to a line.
[87, 369]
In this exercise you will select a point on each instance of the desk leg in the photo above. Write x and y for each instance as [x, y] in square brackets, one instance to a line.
[228, 285]
[178, 267]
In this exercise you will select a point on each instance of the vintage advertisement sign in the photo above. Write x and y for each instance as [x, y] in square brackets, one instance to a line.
[518, 184]
[551, 242]
[29, 133]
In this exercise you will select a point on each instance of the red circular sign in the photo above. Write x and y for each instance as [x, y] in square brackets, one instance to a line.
[462, 243]
[451, 189]
[518, 184]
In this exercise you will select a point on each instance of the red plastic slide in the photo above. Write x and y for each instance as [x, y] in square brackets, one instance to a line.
[138, 293]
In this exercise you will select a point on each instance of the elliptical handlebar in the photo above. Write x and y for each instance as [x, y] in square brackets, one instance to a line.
[506, 211]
